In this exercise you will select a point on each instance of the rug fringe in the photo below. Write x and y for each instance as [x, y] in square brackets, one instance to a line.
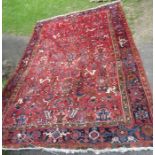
[76, 12]
[121, 150]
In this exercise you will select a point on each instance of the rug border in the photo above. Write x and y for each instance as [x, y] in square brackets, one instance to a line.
[139, 62]
[20, 64]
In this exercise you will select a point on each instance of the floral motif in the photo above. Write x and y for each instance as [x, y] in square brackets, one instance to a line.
[103, 115]
[146, 131]
[21, 120]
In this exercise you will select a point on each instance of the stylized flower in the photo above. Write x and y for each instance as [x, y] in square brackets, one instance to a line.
[146, 131]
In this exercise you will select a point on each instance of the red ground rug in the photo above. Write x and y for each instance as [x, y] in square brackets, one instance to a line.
[80, 84]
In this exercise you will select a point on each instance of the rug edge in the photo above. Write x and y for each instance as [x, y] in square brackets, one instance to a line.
[145, 82]
[77, 12]
[96, 151]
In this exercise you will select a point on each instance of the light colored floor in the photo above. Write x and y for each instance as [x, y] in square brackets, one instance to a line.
[89, 153]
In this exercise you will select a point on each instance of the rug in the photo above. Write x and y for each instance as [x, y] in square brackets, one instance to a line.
[80, 84]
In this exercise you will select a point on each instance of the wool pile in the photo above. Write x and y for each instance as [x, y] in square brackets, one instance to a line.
[80, 84]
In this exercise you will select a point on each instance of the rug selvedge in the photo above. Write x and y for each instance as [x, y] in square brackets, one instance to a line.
[102, 100]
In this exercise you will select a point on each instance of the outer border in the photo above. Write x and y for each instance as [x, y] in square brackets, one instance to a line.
[139, 62]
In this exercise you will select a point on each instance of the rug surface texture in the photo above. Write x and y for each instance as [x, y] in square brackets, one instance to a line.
[80, 84]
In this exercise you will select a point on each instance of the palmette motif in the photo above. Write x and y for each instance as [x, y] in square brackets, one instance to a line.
[80, 84]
